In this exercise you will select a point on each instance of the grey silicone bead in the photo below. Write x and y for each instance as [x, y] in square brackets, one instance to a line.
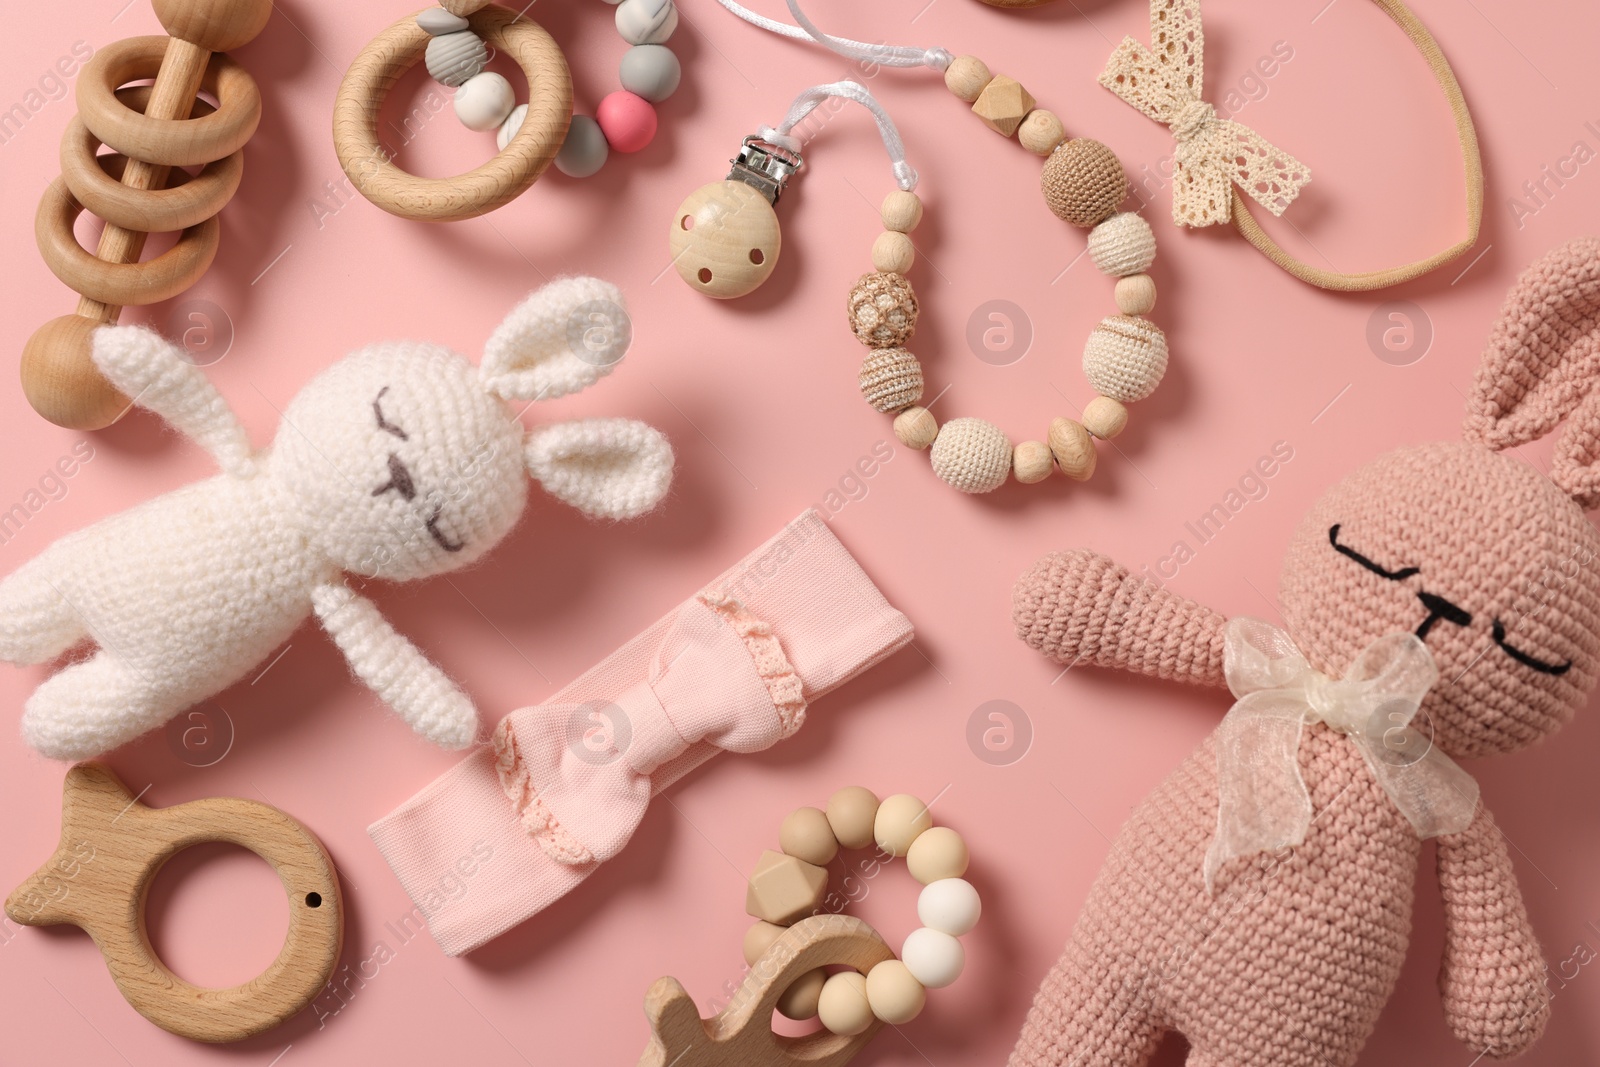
[456, 57]
[651, 71]
[584, 150]
[646, 21]
[436, 22]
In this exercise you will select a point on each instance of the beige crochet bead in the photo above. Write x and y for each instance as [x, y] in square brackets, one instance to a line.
[1003, 104]
[938, 852]
[1122, 245]
[1041, 131]
[843, 1006]
[1136, 294]
[784, 890]
[972, 455]
[901, 819]
[1073, 448]
[1125, 358]
[806, 835]
[799, 1001]
[966, 76]
[901, 211]
[890, 379]
[894, 995]
[1083, 182]
[1031, 462]
[759, 938]
[893, 252]
[1104, 417]
[883, 310]
[851, 813]
[916, 428]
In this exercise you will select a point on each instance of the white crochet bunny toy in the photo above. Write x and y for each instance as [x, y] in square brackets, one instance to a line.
[400, 461]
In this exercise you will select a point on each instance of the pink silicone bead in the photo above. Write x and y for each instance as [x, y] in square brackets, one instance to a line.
[628, 121]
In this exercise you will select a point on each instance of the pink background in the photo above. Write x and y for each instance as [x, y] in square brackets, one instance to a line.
[759, 399]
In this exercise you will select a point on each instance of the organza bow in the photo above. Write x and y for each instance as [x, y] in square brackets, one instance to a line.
[578, 775]
[1212, 152]
[1263, 803]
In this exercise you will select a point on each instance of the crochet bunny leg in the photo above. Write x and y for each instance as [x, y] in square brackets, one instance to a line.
[92, 707]
[36, 622]
[1088, 1017]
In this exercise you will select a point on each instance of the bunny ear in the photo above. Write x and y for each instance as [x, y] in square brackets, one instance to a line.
[563, 338]
[1544, 351]
[607, 468]
[1576, 467]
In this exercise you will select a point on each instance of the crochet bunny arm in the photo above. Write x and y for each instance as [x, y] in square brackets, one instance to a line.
[1081, 607]
[1492, 975]
[155, 374]
[391, 666]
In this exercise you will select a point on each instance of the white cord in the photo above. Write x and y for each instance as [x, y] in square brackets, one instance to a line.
[884, 55]
[807, 102]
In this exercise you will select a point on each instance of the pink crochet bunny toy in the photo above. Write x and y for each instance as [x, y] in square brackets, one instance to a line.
[1259, 901]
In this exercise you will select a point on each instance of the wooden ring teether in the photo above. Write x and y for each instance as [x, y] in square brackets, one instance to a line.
[99, 879]
[498, 181]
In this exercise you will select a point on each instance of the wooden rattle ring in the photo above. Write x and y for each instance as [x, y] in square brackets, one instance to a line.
[99, 880]
[492, 185]
[741, 1035]
[95, 181]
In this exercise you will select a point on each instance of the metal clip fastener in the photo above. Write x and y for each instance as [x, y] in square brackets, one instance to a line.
[765, 167]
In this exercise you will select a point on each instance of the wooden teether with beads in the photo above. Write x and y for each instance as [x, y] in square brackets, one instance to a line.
[99, 878]
[137, 190]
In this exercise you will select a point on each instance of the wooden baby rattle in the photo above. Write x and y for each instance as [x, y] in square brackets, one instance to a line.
[525, 156]
[99, 879]
[137, 191]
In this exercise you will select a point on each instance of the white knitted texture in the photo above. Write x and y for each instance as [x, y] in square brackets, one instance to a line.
[972, 455]
[1125, 358]
[397, 462]
[1122, 245]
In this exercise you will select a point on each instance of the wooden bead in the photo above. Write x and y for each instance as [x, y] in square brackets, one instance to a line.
[894, 995]
[851, 813]
[60, 380]
[901, 211]
[890, 379]
[934, 958]
[783, 889]
[916, 428]
[893, 252]
[1125, 358]
[938, 852]
[843, 1007]
[806, 835]
[971, 455]
[725, 239]
[1122, 245]
[900, 820]
[1083, 182]
[1041, 131]
[1031, 462]
[759, 938]
[1002, 105]
[1073, 448]
[966, 76]
[1136, 294]
[1104, 417]
[464, 7]
[949, 905]
[800, 1000]
[215, 25]
[882, 308]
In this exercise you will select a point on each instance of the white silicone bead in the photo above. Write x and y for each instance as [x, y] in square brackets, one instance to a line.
[950, 906]
[933, 957]
[484, 101]
[455, 58]
[651, 71]
[646, 21]
[585, 149]
[509, 128]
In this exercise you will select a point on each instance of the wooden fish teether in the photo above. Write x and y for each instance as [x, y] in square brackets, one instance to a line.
[99, 879]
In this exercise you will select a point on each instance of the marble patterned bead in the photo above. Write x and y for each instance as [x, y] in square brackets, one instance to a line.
[651, 71]
[585, 150]
[916, 428]
[1122, 245]
[455, 58]
[890, 379]
[883, 310]
[1136, 294]
[971, 455]
[436, 22]
[966, 76]
[1104, 417]
[1125, 358]
[508, 128]
[484, 101]
[646, 21]
[893, 252]
[901, 211]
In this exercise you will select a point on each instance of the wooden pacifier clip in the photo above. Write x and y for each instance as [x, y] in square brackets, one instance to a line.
[99, 880]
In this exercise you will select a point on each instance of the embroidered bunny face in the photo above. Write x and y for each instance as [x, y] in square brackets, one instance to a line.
[1480, 555]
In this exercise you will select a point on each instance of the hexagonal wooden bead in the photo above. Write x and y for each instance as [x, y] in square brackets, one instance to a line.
[1104, 417]
[1002, 105]
[784, 890]
[1031, 462]
[1041, 131]
[916, 428]
[901, 211]
[1073, 448]
[966, 76]
[893, 252]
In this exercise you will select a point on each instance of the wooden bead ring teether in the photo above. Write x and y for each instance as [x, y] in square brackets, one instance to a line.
[99, 879]
[490, 186]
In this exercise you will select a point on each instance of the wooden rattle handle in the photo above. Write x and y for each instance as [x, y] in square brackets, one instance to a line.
[99, 878]
[741, 1034]
[150, 131]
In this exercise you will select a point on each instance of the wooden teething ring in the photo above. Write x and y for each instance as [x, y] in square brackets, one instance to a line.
[99, 878]
[494, 184]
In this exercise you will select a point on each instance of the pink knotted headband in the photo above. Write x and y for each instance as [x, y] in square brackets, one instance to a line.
[564, 784]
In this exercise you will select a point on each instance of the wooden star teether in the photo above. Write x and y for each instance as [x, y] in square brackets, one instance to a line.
[98, 879]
